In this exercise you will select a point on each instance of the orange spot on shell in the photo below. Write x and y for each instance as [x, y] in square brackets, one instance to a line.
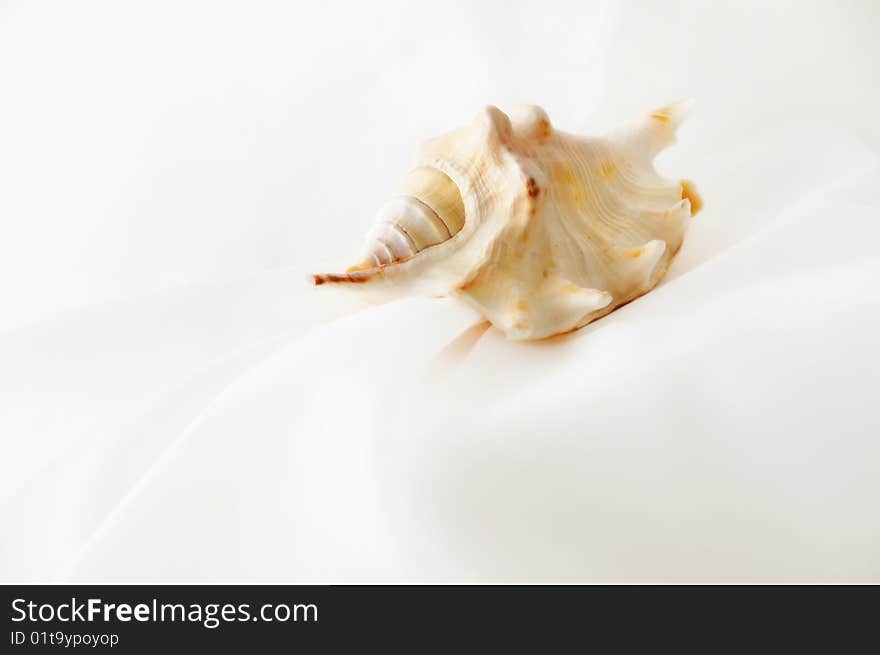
[608, 169]
[689, 191]
[543, 129]
[360, 267]
[574, 188]
[661, 115]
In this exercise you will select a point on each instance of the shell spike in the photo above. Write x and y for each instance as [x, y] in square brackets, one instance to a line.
[641, 263]
[655, 131]
[531, 122]
[675, 112]
[494, 123]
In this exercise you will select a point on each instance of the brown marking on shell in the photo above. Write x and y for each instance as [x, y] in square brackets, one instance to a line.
[608, 169]
[356, 277]
[522, 306]
[689, 192]
[532, 188]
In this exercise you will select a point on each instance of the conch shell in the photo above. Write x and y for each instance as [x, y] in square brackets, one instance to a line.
[539, 230]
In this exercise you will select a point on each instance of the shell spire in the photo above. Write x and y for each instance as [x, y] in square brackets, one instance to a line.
[539, 230]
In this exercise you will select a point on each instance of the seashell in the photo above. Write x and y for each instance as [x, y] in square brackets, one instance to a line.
[539, 230]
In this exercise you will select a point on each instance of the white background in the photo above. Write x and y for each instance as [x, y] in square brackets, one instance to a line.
[177, 405]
